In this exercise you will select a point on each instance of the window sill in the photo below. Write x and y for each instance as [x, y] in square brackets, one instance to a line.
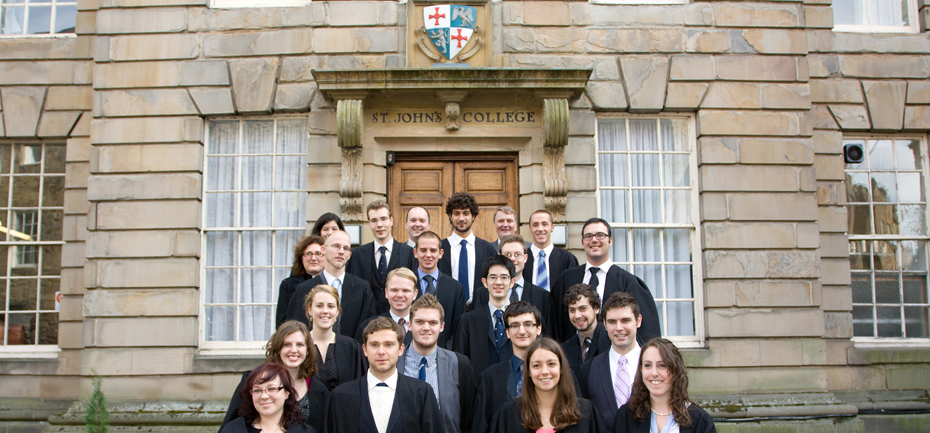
[55, 36]
[847, 28]
[29, 353]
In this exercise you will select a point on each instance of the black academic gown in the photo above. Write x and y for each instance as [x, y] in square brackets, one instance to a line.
[408, 337]
[451, 296]
[483, 250]
[600, 343]
[318, 396]
[474, 338]
[701, 422]
[362, 264]
[351, 363]
[357, 303]
[238, 425]
[496, 386]
[509, 419]
[533, 294]
[559, 261]
[414, 411]
[618, 280]
[285, 292]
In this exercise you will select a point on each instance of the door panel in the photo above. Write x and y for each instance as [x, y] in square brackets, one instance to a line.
[428, 180]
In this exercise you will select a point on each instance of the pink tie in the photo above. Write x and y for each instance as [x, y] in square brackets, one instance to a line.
[622, 384]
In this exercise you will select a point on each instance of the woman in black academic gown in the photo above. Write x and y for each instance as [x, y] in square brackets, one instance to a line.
[339, 358]
[548, 403]
[660, 395]
[291, 348]
[308, 263]
[269, 403]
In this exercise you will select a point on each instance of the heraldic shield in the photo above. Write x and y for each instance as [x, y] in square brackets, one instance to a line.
[450, 27]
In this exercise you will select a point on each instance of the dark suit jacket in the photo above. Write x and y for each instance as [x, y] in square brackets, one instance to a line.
[474, 338]
[449, 293]
[532, 294]
[618, 280]
[351, 363]
[597, 386]
[362, 264]
[357, 303]
[415, 409]
[496, 386]
[600, 343]
[509, 419]
[316, 392]
[559, 261]
[285, 292]
[408, 337]
[238, 425]
[483, 250]
[701, 422]
[462, 384]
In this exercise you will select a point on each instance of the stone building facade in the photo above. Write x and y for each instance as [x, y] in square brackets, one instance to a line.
[710, 133]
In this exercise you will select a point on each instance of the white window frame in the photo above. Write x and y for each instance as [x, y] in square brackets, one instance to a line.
[28, 351]
[233, 348]
[697, 276]
[51, 34]
[911, 27]
[887, 342]
[234, 4]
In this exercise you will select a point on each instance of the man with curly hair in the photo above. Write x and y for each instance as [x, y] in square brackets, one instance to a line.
[463, 253]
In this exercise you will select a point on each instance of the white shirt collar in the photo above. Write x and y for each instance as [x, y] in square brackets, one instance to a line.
[391, 382]
[536, 250]
[396, 318]
[455, 239]
[389, 245]
[330, 277]
[632, 356]
[603, 267]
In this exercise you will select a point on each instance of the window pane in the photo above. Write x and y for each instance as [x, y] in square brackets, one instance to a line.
[223, 137]
[220, 286]
[257, 172]
[861, 286]
[643, 135]
[908, 153]
[65, 17]
[221, 249]
[863, 322]
[885, 255]
[887, 288]
[857, 187]
[54, 158]
[645, 169]
[678, 206]
[51, 225]
[848, 12]
[48, 288]
[28, 159]
[859, 220]
[886, 219]
[256, 286]
[22, 328]
[53, 191]
[222, 173]
[884, 187]
[11, 20]
[255, 208]
[646, 245]
[613, 169]
[256, 249]
[652, 276]
[880, 156]
[221, 209]
[914, 255]
[678, 281]
[290, 173]
[48, 328]
[255, 323]
[258, 136]
[680, 318]
[677, 245]
[910, 188]
[51, 260]
[40, 20]
[913, 219]
[646, 206]
[219, 323]
[619, 251]
[915, 289]
[915, 322]
[677, 170]
[611, 135]
[289, 209]
[26, 191]
[860, 256]
[292, 136]
[675, 135]
[614, 205]
[24, 293]
[889, 321]
[284, 243]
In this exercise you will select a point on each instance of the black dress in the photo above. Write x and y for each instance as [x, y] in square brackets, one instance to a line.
[239, 425]
[344, 362]
[509, 419]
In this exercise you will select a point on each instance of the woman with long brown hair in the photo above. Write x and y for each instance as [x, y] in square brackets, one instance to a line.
[548, 403]
[269, 403]
[339, 358]
[659, 397]
[290, 347]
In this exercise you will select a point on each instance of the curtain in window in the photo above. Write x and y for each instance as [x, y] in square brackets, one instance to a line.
[871, 12]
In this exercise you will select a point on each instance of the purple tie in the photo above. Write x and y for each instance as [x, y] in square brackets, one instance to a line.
[622, 384]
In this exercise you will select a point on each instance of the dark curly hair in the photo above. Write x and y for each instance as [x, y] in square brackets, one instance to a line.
[297, 268]
[640, 404]
[266, 373]
[575, 293]
[462, 200]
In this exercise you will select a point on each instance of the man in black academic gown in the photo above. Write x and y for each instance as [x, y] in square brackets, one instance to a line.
[514, 248]
[607, 379]
[462, 209]
[583, 308]
[448, 373]
[355, 295]
[448, 291]
[545, 262]
[400, 290]
[383, 401]
[606, 278]
[480, 334]
[504, 380]
[372, 261]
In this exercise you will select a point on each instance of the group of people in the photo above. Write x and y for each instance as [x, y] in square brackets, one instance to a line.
[462, 335]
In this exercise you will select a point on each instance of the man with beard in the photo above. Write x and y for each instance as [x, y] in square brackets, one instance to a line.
[591, 339]
[463, 253]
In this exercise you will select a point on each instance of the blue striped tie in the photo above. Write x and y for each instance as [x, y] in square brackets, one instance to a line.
[542, 275]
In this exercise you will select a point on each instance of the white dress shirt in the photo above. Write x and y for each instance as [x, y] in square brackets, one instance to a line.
[601, 276]
[381, 399]
[535, 251]
[632, 363]
[455, 241]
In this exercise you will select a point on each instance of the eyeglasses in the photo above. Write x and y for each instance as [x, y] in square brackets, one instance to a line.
[599, 236]
[514, 255]
[503, 278]
[517, 326]
[314, 254]
[270, 391]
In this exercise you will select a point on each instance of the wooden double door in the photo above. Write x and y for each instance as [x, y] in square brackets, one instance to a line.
[428, 180]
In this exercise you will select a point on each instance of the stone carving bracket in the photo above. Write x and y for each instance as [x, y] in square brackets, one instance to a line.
[555, 189]
[349, 135]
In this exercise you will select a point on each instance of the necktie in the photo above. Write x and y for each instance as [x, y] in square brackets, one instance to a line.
[382, 265]
[519, 379]
[430, 287]
[381, 384]
[422, 375]
[542, 274]
[337, 284]
[594, 282]
[513, 294]
[499, 329]
[463, 268]
[587, 345]
[403, 325]
[622, 384]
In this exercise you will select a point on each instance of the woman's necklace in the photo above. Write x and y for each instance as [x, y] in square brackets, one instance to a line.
[660, 414]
